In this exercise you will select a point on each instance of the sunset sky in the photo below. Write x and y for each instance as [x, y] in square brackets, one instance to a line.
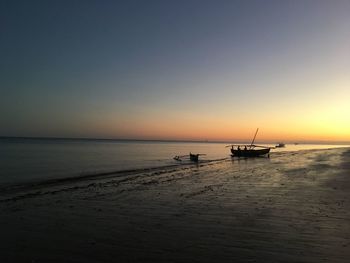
[199, 70]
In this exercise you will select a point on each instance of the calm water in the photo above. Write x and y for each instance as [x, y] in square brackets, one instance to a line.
[26, 160]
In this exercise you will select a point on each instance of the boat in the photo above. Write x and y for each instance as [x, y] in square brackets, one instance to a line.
[177, 158]
[249, 150]
[194, 157]
[280, 145]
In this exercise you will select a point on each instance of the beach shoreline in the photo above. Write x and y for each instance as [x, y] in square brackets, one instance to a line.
[292, 207]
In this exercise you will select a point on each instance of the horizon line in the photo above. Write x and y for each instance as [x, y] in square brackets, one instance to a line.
[174, 140]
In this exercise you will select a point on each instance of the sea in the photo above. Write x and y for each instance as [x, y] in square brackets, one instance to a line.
[27, 160]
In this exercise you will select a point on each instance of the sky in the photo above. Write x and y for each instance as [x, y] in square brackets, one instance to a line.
[184, 70]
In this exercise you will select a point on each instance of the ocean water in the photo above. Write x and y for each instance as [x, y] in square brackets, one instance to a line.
[32, 160]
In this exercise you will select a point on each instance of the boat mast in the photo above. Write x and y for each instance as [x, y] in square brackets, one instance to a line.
[254, 138]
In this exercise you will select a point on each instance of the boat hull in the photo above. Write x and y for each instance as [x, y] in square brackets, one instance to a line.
[250, 152]
[194, 157]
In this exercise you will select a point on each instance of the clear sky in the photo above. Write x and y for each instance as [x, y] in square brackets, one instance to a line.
[212, 70]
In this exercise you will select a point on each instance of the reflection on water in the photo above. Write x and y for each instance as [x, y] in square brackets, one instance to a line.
[24, 160]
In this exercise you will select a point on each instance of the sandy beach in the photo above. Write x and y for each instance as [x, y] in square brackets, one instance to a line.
[293, 207]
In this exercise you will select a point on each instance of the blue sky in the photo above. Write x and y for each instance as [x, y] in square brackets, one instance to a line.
[174, 69]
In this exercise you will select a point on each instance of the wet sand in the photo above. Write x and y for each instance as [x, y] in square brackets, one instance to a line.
[293, 207]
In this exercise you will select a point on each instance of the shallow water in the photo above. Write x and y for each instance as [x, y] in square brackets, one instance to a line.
[28, 160]
[292, 207]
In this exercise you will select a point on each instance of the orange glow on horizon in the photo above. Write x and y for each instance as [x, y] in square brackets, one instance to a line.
[222, 130]
[325, 119]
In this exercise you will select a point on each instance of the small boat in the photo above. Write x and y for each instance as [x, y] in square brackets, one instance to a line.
[177, 158]
[280, 145]
[249, 150]
[192, 157]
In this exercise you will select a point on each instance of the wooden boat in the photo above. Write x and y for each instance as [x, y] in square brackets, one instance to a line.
[194, 157]
[249, 150]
